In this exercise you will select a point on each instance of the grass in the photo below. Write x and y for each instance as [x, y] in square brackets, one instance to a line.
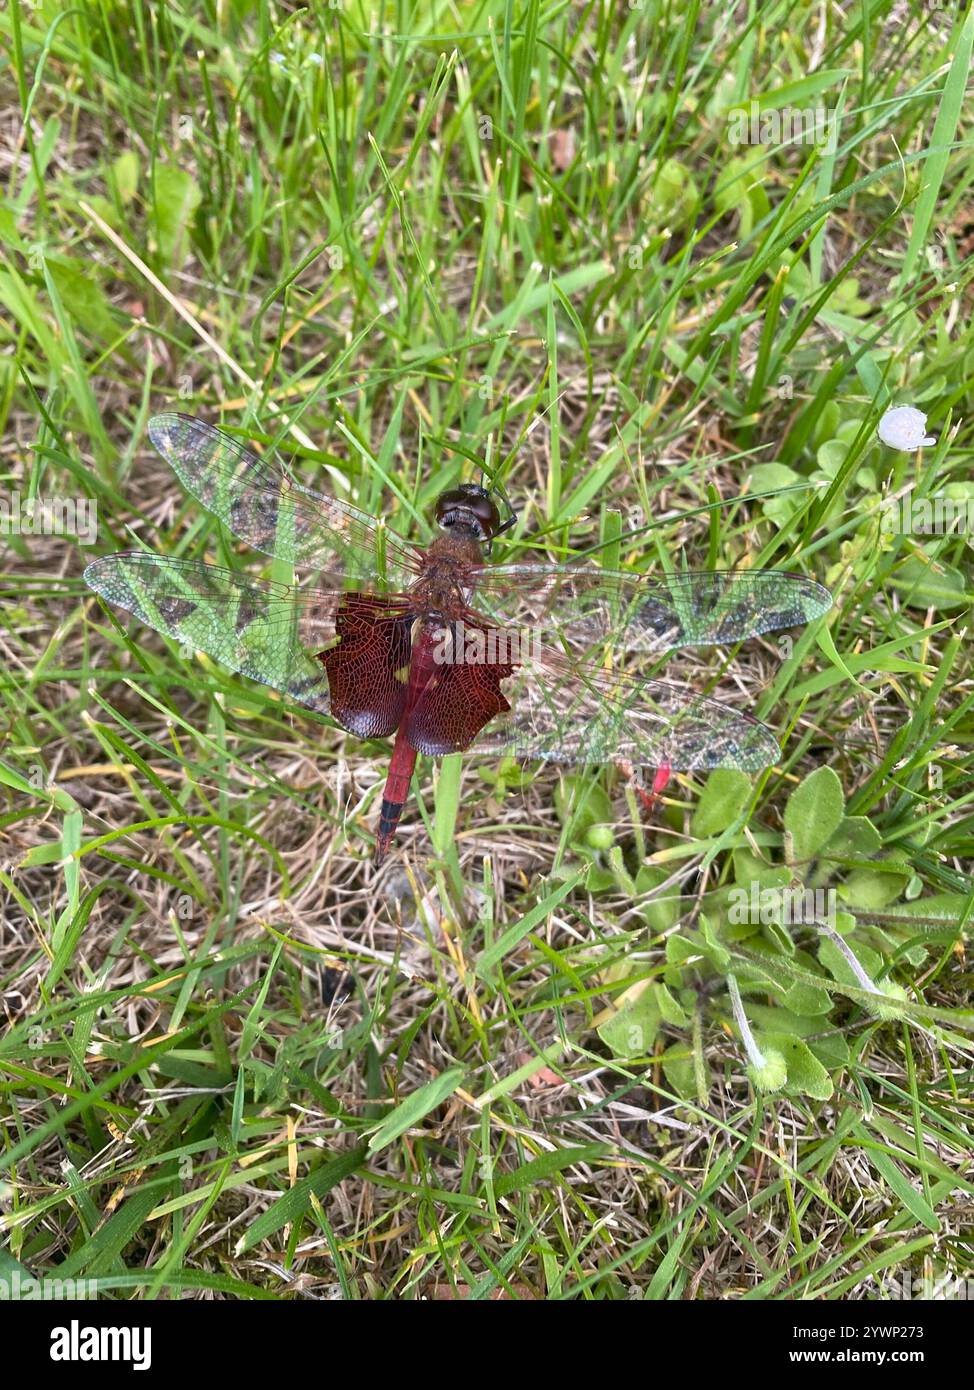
[396, 242]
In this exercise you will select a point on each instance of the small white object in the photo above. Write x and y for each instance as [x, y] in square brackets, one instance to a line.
[905, 427]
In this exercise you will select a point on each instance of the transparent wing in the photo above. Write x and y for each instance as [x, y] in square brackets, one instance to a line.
[564, 711]
[586, 605]
[265, 507]
[270, 632]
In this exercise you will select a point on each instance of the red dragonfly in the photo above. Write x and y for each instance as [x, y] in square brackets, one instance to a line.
[439, 647]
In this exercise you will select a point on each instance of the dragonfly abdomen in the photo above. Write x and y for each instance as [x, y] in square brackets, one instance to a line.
[422, 667]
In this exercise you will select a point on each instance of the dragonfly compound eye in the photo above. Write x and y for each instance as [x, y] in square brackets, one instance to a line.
[470, 506]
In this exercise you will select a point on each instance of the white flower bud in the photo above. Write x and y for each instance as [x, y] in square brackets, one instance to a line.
[904, 427]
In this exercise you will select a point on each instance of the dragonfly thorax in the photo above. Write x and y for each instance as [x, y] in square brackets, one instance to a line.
[443, 585]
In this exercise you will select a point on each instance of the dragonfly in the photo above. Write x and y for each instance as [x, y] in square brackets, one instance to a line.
[436, 645]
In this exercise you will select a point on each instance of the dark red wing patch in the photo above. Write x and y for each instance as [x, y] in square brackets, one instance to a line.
[456, 703]
[369, 667]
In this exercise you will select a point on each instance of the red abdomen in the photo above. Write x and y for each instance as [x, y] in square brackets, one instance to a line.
[421, 668]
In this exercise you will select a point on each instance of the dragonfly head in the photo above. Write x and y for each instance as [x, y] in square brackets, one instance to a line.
[467, 510]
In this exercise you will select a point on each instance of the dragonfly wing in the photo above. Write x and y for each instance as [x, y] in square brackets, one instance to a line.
[368, 668]
[269, 632]
[652, 614]
[262, 505]
[460, 697]
[571, 712]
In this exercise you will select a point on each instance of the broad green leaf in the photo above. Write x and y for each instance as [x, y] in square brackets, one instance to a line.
[662, 911]
[177, 195]
[930, 585]
[9, 235]
[676, 194]
[82, 296]
[806, 1075]
[830, 457]
[718, 953]
[632, 1031]
[582, 803]
[831, 1049]
[679, 949]
[751, 872]
[838, 966]
[778, 1019]
[740, 189]
[722, 800]
[125, 172]
[813, 814]
[680, 1070]
[11, 1269]
[856, 838]
[873, 889]
[768, 478]
[803, 999]
[670, 1008]
[937, 912]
